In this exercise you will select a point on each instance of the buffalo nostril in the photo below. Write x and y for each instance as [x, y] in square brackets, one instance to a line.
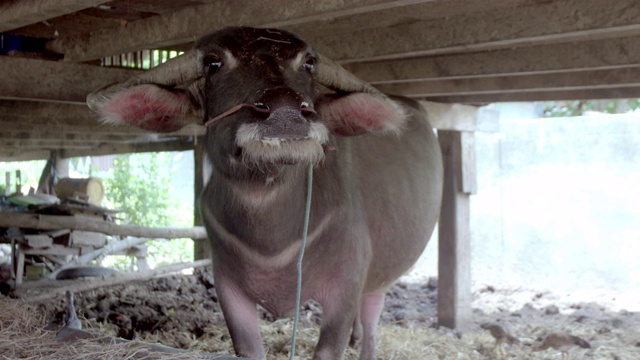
[306, 110]
[261, 108]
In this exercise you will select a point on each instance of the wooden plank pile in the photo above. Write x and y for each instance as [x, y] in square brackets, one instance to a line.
[44, 250]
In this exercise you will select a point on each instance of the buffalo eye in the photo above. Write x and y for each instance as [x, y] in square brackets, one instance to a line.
[212, 63]
[309, 64]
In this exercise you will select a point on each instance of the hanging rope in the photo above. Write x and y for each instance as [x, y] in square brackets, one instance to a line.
[307, 214]
[305, 230]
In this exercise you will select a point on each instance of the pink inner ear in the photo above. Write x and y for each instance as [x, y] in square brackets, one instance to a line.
[361, 113]
[149, 107]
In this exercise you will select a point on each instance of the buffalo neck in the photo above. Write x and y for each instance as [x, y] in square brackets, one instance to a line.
[262, 209]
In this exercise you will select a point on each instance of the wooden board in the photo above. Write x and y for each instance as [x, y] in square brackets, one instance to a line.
[38, 241]
[81, 239]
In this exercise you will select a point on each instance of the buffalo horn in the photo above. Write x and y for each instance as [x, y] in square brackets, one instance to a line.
[180, 70]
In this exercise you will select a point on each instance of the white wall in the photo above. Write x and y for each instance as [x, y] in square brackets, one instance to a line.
[558, 207]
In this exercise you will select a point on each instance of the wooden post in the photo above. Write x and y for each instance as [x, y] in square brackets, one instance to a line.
[201, 247]
[19, 265]
[57, 164]
[454, 258]
[61, 165]
[7, 183]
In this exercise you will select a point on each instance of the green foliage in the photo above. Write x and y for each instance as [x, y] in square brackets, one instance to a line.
[579, 107]
[30, 172]
[140, 189]
[566, 108]
[155, 58]
[140, 185]
[634, 104]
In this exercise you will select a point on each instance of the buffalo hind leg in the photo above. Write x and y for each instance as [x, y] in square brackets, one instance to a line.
[339, 308]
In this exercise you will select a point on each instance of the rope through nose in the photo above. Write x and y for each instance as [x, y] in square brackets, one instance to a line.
[304, 110]
[227, 113]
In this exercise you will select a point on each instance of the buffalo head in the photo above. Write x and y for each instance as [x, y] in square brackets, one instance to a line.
[266, 96]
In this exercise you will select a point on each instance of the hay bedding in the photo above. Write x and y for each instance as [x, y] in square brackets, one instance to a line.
[182, 311]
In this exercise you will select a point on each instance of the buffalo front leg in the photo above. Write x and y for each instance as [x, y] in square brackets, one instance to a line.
[356, 332]
[371, 308]
[241, 316]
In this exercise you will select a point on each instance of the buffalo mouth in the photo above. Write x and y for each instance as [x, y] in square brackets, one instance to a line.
[260, 146]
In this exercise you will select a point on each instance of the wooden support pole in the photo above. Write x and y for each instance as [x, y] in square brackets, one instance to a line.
[45, 184]
[201, 247]
[454, 258]
[61, 165]
[19, 265]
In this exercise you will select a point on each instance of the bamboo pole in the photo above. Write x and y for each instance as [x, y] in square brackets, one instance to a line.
[107, 250]
[27, 292]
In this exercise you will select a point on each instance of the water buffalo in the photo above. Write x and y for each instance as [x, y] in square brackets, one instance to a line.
[272, 106]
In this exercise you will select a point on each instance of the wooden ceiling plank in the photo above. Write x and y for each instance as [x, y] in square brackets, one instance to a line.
[73, 81]
[609, 53]
[403, 14]
[65, 82]
[460, 117]
[187, 24]
[544, 23]
[18, 13]
[577, 80]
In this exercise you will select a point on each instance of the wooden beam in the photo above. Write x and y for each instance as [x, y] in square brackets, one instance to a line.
[53, 112]
[32, 144]
[65, 118]
[114, 149]
[545, 95]
[25, 127]
[38, 127]
[64, 82]
[184, 25]
[70, 137]
[574, 80]
[584, 55]
[460, 117]
[542, 23]
[13, 148]
[87, 223]
[454, 243]
[8, 155]
[18, 13]
[61, 165]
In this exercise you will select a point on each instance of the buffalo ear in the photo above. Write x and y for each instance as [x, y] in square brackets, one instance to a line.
[360, 113]
[147, 106]
[162, 99]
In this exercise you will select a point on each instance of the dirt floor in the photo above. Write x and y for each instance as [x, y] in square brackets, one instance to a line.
[182, 311]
